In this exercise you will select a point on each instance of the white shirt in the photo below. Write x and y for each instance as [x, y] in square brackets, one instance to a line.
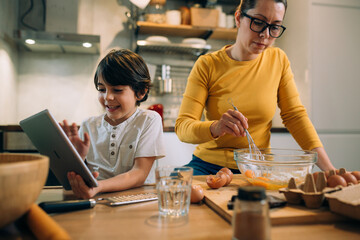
[114, 148]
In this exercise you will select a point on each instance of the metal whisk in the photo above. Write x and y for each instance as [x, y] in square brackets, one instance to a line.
[254, 150]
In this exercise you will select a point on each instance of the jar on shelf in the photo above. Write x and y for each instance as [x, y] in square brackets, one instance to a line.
[156, 11]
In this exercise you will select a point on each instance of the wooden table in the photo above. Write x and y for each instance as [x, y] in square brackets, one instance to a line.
[141, 221]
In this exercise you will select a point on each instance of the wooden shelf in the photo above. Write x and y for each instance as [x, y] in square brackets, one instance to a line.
[186, 31]
[194, 49]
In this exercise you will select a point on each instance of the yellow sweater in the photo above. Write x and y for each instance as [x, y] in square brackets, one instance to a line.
[256, 87]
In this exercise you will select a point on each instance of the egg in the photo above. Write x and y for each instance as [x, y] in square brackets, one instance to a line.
[341, 171]
[356, 174]
[216, 181]
[349, 178]
[249, 174]
[197, 193]
[336, 180]
[228, 178]
[228, 172]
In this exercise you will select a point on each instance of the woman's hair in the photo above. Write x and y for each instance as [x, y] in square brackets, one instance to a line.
[246, 5]
[124, 67]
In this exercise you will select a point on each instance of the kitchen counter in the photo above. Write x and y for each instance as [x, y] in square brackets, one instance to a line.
[273, 130]
[141, 221]
[17, 128]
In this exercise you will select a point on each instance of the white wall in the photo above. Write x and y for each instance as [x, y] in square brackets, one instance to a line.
[60, 82]
[63, 83]
[294, 42]
[8, 62]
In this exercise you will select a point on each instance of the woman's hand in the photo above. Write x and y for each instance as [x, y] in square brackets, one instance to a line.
[231, 122]
[79, 187]
[72, 132]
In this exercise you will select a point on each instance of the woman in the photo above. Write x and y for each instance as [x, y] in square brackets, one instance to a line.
[257, 77]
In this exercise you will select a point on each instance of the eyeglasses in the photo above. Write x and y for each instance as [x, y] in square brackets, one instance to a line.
[258, 25]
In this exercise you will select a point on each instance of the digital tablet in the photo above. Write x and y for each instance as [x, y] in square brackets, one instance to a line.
[50, 139]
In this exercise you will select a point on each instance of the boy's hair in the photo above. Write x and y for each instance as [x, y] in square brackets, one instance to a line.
[124, 67]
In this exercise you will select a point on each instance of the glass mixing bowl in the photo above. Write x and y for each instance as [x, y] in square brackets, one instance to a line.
[276, 166]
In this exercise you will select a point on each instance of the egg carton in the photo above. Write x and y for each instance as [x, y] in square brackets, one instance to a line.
[311, 192]
[346, 202]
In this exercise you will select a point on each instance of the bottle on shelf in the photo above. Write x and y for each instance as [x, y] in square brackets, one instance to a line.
[167, 81]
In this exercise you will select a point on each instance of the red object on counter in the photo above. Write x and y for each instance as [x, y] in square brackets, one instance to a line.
[159, 108]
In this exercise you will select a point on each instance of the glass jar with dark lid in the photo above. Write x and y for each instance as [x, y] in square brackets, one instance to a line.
[251, 214]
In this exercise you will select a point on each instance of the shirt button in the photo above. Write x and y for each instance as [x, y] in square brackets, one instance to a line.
[113, 135]
[112, 144]
[130, 146]
[112, 153]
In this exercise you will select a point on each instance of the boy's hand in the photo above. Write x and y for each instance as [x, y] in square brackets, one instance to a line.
[72, 132]
[79, 187]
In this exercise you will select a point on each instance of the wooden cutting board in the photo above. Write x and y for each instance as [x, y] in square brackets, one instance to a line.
[217, 199]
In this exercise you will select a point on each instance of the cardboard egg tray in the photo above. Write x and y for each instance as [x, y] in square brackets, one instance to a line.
[346, 202]
[311, 193]
[342, 200]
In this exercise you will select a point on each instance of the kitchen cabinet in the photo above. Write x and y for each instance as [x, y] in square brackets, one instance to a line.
[177, 153]
[334, 74]
[334, 65]
[180, 153]
[339, 147]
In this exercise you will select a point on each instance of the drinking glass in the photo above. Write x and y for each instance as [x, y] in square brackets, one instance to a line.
[173, 185]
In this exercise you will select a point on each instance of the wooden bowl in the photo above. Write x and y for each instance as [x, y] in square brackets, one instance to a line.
[22, 177]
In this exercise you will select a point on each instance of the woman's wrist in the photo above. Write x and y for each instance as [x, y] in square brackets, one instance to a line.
[323, 162]
[212, 129]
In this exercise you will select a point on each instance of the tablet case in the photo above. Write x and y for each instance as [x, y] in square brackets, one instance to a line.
[50, 139]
